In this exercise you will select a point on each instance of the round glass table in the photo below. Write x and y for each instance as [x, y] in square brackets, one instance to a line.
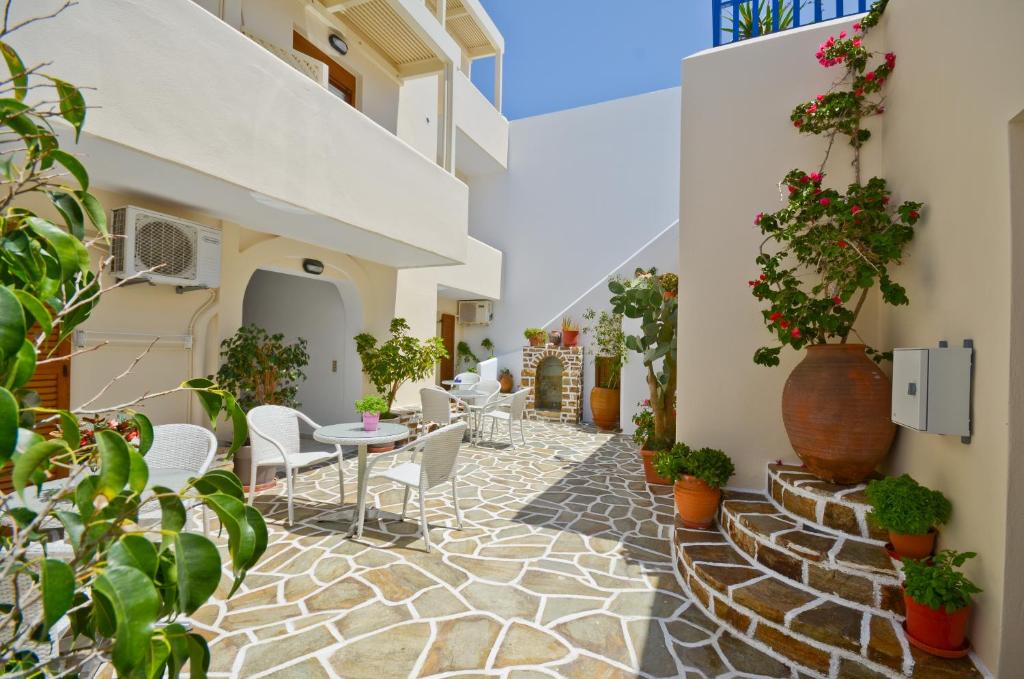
[353, 434]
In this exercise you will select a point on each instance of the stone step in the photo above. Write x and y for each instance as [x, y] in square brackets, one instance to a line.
[825, 636]
[833, 563]
[827, 505]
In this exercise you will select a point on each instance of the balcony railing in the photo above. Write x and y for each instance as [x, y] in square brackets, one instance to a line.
[735, 20]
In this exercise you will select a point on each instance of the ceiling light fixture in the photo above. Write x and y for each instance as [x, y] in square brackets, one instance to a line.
[338, 43]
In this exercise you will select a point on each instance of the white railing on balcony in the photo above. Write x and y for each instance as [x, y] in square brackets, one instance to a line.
[306, 65]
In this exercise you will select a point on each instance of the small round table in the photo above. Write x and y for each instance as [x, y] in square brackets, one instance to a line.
[353, 434]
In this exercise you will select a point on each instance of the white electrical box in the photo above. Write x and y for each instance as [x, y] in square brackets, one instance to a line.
[931, 389]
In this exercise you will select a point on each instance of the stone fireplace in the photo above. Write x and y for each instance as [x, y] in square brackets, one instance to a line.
[555, 378]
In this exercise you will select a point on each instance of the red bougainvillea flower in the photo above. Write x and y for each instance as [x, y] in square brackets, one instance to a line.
[751, 283]
[869, 76]
[761, 277]
[825, 201]
[792, 189]
[859, 92]
[817, 191]
[914, 214]
[775, 316]
[842, 34]
[816, 177]
[796, 333]
[757, 219]
[783, 323]
[885, 200]
[797, 122]
[856, 209]
[842, 244]
[812, 108]
[805, 179]
[857, 42]
[837, 300]
[856, 26]
[890, 60]
[820, 97]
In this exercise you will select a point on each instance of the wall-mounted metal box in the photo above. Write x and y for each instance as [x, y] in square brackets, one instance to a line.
[931, 389]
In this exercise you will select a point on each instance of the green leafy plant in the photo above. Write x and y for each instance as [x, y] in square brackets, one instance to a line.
[260, 369]
[902, 505]
[569, 324]
[372, 404]
[400, 358]
[488, 346]
[123, 588]
[505, 371]
[937, 583]
[465, 355]
[535, 334]
[743, 15]
[827, 249]
[710, 465]
[651, 297]
[643, 419]
[610, 341]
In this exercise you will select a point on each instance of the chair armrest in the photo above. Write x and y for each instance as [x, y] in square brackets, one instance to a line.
[277, 444]
[496, 403]
[306, 418]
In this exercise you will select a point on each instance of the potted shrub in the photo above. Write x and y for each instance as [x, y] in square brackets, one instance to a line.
[938, 601]
[822, 254]
[506, 380]
[570, 332]
[643, 437]
[535, 336]
[464, 357]
[651, 297]
[910, 512]
[488, 346]
[260, 369]
[609, 355]
[399, 359]
[699, 476]
[371, 408]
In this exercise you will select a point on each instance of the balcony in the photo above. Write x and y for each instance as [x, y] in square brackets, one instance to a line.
[179, 98]
[773, 16]
[481, 142]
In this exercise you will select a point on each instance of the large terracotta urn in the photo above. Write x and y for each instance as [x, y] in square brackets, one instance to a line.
[604, 406]
[837, 410]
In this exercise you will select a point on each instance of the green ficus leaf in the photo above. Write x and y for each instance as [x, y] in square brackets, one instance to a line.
[115, 463]
[20, 371]
[135, 604]
[72, 104]
[94, 210]
[57, 582]
[17, 70]
[73, 166]
[35, 309]
[8, 425]
[71, 211]
[220, 481]
[138, 472]
[145, 427]
[12, 324]
[69, 251]
[35, 460]
[197, 563]
[172, 511]
[135, 551]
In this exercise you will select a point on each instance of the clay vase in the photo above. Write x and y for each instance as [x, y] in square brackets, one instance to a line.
[696, 502]
[604, 406]
[837, 408]
[935, 631]
[570, 338]
[506, 383]
[650, 474]
[537, 341]
[913, 546]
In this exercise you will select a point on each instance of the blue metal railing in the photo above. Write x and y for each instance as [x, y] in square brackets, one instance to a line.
[735, 20]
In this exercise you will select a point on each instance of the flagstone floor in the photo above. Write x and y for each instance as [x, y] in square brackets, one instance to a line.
[563, 569]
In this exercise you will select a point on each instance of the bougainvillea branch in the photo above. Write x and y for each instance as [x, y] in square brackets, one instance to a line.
[826, 249]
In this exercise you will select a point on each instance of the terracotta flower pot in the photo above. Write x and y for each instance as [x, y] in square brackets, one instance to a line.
[537, 341]
[266, 476]
[937, 631]
[506, 383]
[650, 474]
[555, 337]
[913, 546]
[837, 410]
[604, 406]
[696, 502]
[570, 338]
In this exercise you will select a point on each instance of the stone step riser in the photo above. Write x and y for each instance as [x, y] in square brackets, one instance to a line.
[842, 509]
[762, 536]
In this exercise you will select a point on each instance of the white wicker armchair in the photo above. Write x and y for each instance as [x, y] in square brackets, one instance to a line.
[182, 446]
[508, 409]
[436, 404]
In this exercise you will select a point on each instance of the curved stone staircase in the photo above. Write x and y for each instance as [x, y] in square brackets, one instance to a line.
[798, 573]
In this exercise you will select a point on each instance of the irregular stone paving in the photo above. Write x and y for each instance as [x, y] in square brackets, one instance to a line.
[564, 568]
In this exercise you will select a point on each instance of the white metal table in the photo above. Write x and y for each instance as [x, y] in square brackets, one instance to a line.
[353, 434]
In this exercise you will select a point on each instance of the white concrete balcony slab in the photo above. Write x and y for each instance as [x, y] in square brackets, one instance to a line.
[188, 110]
[481, 142]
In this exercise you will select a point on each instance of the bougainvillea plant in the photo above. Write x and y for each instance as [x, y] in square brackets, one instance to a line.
[826, 249]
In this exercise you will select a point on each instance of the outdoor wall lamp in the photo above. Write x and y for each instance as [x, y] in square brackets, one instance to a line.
[338, 43]
[313, 266]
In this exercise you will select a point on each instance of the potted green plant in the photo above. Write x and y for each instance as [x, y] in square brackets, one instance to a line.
[699, 476]
[609, 356]
[938, 602]
[570, 332]
[643, 436]
[465, 358]
[488, 346]
[535, 336]
[506, 380]
[261, 369]
[652, 298]
[910, 512]
[822, 254]
[371, 408]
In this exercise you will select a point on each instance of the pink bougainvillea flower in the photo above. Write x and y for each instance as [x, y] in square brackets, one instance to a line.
[817, 191]
[825, 202]
[796, 333]
[856, 26]
[856, 209]
[757, 219]
[842, 35]
[857, 42]
[869, 76]
[813, 108]
[816, 177]
[751, 283]
[820, 97]
[890, 60]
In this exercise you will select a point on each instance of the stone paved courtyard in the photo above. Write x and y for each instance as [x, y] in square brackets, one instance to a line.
[563, 569]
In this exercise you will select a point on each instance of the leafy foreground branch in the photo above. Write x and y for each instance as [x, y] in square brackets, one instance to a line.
[119, 596]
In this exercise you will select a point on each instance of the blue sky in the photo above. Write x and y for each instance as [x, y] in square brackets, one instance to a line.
[566, 53]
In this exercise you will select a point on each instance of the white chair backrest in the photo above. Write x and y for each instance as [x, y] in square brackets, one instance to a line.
[440, 453]
[467, 378]
[273, 422]
[487, 388]
[182, 446]
[517, 406]
[436, 405]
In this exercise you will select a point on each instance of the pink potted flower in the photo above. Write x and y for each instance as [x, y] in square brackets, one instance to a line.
[371, 407]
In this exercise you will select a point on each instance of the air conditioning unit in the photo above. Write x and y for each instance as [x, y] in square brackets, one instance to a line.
[178, 252]
[475, 312]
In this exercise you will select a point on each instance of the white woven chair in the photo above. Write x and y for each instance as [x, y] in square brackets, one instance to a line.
[32, 616]
[439, 454]
[436, 405]
[467, 378]
[485, 392]
[182, 446]
[274, 434]
[509, 409]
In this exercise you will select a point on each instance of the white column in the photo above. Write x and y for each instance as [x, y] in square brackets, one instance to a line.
[498, 61]
[449, 117]
[633, 388]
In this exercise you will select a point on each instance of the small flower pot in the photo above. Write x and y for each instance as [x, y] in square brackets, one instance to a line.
[506, 383]
[570, 338]
[371, 421]
[537, 341]
[555, 337]
[696, 502]
[913, 546]
[936, 631]
[650, 474]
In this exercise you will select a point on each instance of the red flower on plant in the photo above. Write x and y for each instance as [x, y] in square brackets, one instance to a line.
[792, 189]
[859, 92]
[825, 202]
[751, 283]
[783, 324]
[856, 26]
[842, 244]
[775, 316]
[869, 76]
[857, 42]
[885, 200]
[798, 123]
[805, 180]
[890, 60]
[914, 214]
[816, 177]
[812, 108]
[837, 300]
[856, 209]
[820, 97]
[796, 333]
[757, 219]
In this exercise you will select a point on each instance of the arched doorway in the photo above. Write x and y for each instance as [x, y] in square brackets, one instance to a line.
[549, 384]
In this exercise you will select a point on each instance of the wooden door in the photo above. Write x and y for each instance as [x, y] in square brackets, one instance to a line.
[448, 337]
[52, 381]
[339, 81]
